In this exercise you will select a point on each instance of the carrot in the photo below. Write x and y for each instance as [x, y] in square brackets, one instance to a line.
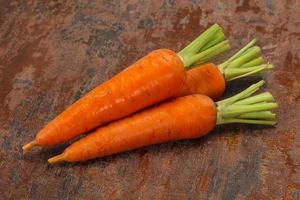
[185, 117]
[156, 77]
[204, 79]
[210, 79]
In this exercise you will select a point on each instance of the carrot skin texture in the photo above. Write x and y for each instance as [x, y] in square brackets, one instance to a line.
[155, 77]
[204, 79]
[186, 117]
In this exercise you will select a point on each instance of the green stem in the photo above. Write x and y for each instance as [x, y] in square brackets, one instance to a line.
[248, 121]
[244, 94]
[254, 62]
[208, 44]
[250, 54]
[235, 110]
[209, 53]
[244, 108]
[246, 62]
[201, 40]
[259, 115]
[236, 73]
[263, 97]
[218, 37]
[238, 54]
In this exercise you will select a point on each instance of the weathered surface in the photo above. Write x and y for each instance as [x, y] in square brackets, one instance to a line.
[53, 53]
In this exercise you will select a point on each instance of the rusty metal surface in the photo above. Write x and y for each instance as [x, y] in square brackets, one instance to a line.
[52, 53]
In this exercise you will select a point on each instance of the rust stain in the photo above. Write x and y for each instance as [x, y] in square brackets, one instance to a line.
[292, 60]
[232, 142]
[203, 184]
[247, 5]
[143, 168]
[280, 149]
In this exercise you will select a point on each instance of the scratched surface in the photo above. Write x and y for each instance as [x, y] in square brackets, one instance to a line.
[53, 53]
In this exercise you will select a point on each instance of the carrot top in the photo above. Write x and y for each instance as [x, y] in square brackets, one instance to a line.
[244, 108]
[246, 62]
[207, 45]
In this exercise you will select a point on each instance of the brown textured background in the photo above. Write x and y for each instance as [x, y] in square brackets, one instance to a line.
[53, 53]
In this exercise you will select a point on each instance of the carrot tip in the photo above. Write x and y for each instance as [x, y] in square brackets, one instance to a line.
[27, 147]
[56, 159]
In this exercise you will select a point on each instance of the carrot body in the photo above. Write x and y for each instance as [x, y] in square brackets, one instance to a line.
[204, 79]
[181, 118]
[155, 77]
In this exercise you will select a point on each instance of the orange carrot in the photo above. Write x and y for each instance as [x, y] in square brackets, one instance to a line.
[210, 79]
[204, 79]
[156, 77]
[177, 119]
[127, 92]
[185, 117]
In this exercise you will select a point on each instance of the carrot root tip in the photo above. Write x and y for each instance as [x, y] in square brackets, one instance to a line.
[56, 159]
[27, 147]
